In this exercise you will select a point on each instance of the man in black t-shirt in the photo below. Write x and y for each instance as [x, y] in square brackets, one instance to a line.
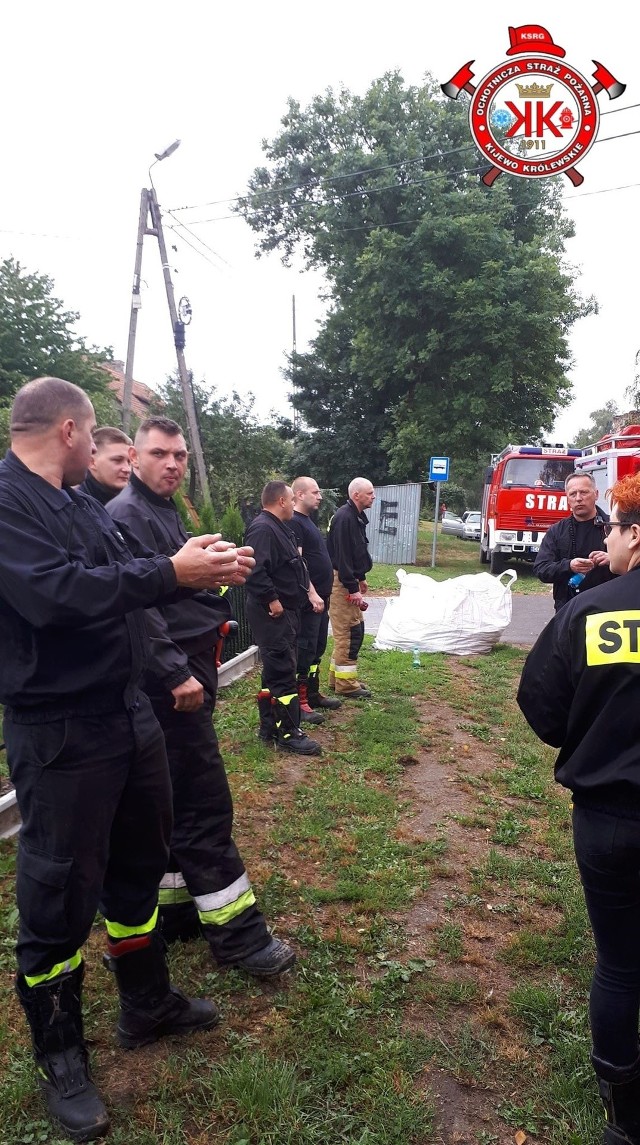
[314, 617]
[575, 545]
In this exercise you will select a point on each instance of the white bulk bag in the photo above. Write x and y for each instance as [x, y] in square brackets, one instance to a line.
[463, 615]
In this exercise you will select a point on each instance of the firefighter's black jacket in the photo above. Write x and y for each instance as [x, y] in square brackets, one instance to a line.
[580, 691]
[72, 626]
[93, 488]
[561, 543]
[348, 546]
[280, 572]
[183, 627]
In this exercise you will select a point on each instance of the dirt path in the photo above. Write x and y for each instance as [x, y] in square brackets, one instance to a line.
[441, 789]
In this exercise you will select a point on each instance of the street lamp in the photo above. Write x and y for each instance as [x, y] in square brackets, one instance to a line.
[168, 151]
[149, 206]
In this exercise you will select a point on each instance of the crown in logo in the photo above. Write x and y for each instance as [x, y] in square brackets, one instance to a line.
[534, 91]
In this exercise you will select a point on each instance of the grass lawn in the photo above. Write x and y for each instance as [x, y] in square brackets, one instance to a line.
[454, 557]
[423, 869]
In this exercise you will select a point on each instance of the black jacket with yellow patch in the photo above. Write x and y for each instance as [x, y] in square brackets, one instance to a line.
[580, 691]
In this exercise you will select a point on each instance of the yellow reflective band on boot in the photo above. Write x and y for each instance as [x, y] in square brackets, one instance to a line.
[55, 972]
[117, 930]
[286, 700]
[220, 907]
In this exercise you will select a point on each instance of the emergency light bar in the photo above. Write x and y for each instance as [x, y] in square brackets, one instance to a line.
[537, 451]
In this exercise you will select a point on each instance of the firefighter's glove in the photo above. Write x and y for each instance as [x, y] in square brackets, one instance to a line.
[357, 598]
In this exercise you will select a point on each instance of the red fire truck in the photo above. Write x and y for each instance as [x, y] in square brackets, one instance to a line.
[614, 456]
[523, 496]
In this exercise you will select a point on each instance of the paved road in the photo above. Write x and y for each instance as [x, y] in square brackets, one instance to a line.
[529, 616]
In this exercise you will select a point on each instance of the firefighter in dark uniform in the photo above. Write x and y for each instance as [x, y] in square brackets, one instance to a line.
[580, 692]
[314, 617]
[205, 867]
[349, 551]
[85, 752]
[573, 548]
[110, 467]
[277, 590]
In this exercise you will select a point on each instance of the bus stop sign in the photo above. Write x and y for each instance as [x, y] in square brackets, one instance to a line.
[439, 469]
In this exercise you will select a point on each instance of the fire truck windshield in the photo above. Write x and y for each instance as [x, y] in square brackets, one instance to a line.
[537, 472]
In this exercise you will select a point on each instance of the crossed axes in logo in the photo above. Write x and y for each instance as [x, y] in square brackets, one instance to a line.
[461, 81]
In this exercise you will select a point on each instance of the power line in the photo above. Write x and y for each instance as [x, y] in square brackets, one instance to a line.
[320, 181]
[608, 138]
[40, 235]
[363, 191]
[181, 238]
[389, 187]
[197, 238]
[612, 110]
[603, 191]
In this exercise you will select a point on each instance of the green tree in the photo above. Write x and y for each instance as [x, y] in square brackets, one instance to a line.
[38, 337]
[451, 303]
[231, 524]
[601, 423]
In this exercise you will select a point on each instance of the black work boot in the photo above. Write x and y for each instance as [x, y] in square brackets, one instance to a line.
[307, 714]
[270, 960]
[315, 697]
[290, 737]
[621, 1102]
[267, 730]
[54, 1014]
[179, 922]
[150, 1007]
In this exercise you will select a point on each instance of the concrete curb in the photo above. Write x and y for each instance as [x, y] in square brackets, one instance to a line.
[233, 670]
[238, 667]
[9, 815]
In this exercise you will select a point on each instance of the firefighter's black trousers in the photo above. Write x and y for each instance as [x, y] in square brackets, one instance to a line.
[95, 799]
[203, 852]
[277, 639]
[312, 638]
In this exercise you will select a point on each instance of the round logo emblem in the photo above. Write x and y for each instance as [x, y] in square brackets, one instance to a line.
[534, 117]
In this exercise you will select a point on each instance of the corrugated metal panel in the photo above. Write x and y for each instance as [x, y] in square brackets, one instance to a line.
[393, 524]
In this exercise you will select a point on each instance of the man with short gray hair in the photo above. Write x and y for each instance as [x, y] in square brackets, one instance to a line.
[349, 551]
[572, 548]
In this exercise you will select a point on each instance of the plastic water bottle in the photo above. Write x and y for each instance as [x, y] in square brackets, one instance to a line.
[416, 662]
[575, 581]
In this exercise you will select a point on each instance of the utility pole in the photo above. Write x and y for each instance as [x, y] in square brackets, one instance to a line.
[135, 306]
[149, 206]
[178, 339]
[294, 352]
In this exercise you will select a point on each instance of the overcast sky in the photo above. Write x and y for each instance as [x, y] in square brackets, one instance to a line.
[90, 92]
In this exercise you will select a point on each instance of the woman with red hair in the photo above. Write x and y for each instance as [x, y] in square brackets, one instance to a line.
[580, 692]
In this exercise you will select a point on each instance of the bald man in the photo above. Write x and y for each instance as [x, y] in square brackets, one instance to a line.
[314, 616]
[349, 551]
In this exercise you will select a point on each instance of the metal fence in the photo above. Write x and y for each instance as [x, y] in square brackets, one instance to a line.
[242, 639]
[393, 524]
